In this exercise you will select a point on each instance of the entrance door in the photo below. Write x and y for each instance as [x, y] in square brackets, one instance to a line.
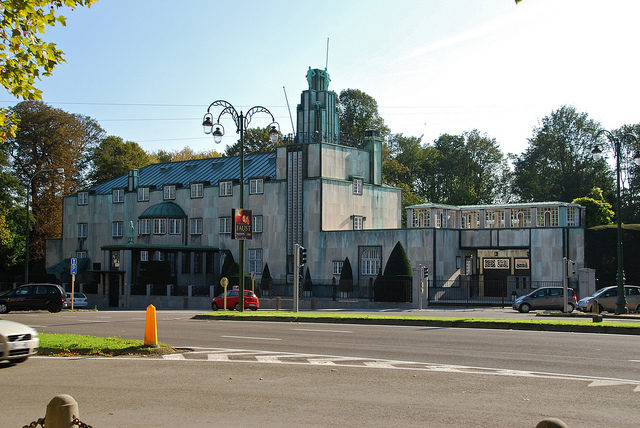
[114, 290]
[495, 272]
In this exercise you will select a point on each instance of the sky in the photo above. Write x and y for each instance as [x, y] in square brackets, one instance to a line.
[147, 70]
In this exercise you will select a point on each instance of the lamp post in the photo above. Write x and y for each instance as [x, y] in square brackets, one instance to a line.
[242, 122]
[621, 301]
[28, 231]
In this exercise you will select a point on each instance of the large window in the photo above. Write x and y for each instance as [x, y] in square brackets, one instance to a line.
[256, 186]
[226, 188]
[195, 226]
[257, 224]
[144, 226]
[117, 196]
[493, 218]
[547, 217]
[159, 226]
[225, 225]
[422, 218]
[470, 219]
[255, 260]
[521, 217]
[169, 192]
[197, 190]
[143, 194]
[175, 226]
[82, 230]
[572, 216]
[83, 198]
[370, 260]
[116, 229]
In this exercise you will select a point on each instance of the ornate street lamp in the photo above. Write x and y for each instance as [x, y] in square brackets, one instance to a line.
[28, 231]
[621, 301]
[217, 130]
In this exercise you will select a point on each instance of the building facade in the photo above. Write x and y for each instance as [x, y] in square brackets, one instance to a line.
[171, 223]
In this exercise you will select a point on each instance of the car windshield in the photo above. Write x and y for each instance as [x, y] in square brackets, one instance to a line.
[598, 293]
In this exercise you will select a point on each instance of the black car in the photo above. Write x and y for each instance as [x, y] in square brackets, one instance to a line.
[32, 296]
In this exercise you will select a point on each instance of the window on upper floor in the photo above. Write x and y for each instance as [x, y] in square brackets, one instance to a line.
[493, 218]
[547, 217]
[175, 226]
[226, 188]
[168, 192]
[224, 225]
[470, 219]
[257, 224]
[256, 186]
[83, 198]
[117, 196]
[421, 218]
[144, 256]
[81, 254]
[144, 226]
[572, 216]
[197, 190]
[82, 230]
[520, 217]
[159, 226]
[195, 226]
[358, 222]
[255, 260]
[143, 194]
[357, 186]
[116, 229]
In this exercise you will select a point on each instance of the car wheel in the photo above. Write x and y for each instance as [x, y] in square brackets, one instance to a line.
[214, 307]
[570, 307]
[53, 307]
[237, 307]
[4, 308]
[525, 307]
[254, 309]
[19, 360]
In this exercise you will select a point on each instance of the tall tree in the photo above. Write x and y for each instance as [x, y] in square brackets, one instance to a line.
[163, 156]
[256, 140]
[629, 136]
[50, 138]
[358, 112]
[558, 164]
[24, 56]
[114, 157]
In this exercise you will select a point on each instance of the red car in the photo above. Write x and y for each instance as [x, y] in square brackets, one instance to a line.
[250, 301]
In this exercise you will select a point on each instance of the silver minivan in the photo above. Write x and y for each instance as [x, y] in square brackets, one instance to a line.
[545, 298]
[606, 298]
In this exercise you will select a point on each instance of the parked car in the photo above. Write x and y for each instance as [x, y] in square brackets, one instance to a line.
[545, 298]
[251, 301]
[17, 341]
[606, 298]
[33, 296]
[79, 300]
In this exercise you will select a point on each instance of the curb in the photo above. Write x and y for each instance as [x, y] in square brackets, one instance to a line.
[497, 325]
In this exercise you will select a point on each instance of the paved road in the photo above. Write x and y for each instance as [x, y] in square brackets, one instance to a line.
[270, 374]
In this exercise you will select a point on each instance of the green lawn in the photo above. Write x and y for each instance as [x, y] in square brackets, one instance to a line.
[70, 345]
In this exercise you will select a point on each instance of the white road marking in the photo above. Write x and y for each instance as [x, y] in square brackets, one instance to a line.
[606, 383]
[380, 364]
[251, 338]
[322, 331]
[173, 357]
[634, 361]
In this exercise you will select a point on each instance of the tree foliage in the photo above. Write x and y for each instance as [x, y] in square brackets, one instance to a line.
[24, 55]
[358, 112]
[558, 164]
[163, 156]
[599, 211]
[398, 264]
[114, 157]
[256, 140]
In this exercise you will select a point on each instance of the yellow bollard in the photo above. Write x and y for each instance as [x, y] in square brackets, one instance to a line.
[150, 328]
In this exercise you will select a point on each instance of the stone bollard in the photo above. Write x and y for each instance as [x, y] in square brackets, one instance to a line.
[61, 411]
[278, 303]
[314, 303]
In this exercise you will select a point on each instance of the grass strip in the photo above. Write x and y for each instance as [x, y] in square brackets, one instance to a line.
[72, 345]
[584, 324]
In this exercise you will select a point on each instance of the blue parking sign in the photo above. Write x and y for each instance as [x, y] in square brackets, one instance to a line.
[74, 265]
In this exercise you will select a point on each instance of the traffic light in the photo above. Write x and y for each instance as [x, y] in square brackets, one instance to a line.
[426, 273]
[571, 268]
[302, 258]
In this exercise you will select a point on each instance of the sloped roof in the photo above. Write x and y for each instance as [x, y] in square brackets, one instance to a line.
[183, 173]
[163, 210]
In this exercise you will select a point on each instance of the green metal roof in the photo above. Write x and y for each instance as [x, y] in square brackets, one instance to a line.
[163, 210]
[494, 206]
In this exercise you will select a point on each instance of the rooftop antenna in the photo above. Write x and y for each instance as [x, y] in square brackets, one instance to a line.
[289, 108]
[326, 64]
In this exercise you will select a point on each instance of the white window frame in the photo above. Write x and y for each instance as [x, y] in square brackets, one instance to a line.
[175, 226]
[117, 229]
[117, 196]
[144, 256]
[144, 226]
[169, 192]
[469, 219]
[553, 216]
[159, 226]
[83, 230]
[195, 226]
[421, 218]
[572, 218]
[224, 225]
[225, 188]
[358, 222]
[255, 260]
[257, 224]
[370, 260]
[81, 254]
[357, 186]
[256, 186]
[143, 194]
[337, 266]
[83, 198]
[197, 190]
[526, 217]
[158, 256]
